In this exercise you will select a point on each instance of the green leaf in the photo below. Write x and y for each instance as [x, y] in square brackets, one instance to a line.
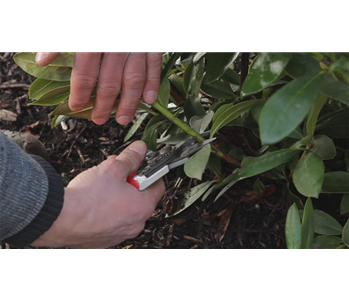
[231, 76]
[42, 88]
[58, 120]
[327, 242]
[63, 109]
[196, 165]
[50, 101]
[252, 166]
[258, 187]
[150, 133]
[264, 70]
[326, 224]
[308, 175]
[164, 92]
[345, 204]
[293, 198]
[307, 226]
[229, 112]
[286, 109]
[314, 113]
[198, 56]
[135, 126]
[302, 64]
[335, 124]
[324, 147]
[59, 70]
[194, 194]
[199, 124]
[219, 89]
[345, 234]
[193, 77]
[170, 63]
[293, 228]
[336, 182]
[218, 64]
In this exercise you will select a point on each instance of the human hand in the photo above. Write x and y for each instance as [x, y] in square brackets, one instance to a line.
[134, 74]
[101, 208]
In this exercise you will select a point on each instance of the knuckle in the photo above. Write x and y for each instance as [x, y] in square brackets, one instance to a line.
[84, 81]
[155, 59]
[108, 90]
[134, 81]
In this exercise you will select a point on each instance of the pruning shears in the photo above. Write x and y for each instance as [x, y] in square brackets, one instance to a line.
[159, 163]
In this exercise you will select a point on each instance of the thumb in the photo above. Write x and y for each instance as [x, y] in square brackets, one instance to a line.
[45, 58]
[131, 158]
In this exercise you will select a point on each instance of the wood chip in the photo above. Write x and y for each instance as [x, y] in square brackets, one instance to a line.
[6, 115]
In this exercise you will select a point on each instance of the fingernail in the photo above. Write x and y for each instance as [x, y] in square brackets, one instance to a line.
[139, 147]
[41, 56]
[151, 97]
[123, 120]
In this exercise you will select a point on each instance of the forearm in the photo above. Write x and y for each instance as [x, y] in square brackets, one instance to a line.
[31, 195]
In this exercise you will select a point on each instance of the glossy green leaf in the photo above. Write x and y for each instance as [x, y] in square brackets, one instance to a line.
[314, 113]
[196, 165]
[327, 242]
[335, 124]
[219, 89]
[194, 194]
[50, 101]
[308, 226]
[193, 77]
[345, 204]
[308, 175]
[345, 234]
[229, 112]
[164, 92]
[199, 124]
[301, 64]
[63, 109]
[47, 89]
[326, 224]
[293, 228]
[218, 64]
[294, 199]
[135, 127]
[324, 147]
[264, 70]
[59, 70]
[170, 63]
[336, 182]
[252, 166]
[286, 109]
[150, 135]
[231, 76]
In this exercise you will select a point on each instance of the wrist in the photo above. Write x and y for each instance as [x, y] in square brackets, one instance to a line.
[61, 233]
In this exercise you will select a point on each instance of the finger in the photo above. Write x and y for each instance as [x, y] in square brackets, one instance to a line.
[155, 192]
[83, 79]
[132, 87]
[109, 85]
[45, 58]
[152, 84]
[131, 158]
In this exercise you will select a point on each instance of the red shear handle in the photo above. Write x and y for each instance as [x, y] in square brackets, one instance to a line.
[131, 180]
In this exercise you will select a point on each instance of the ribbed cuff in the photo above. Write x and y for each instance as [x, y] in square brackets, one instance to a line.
[49, 212]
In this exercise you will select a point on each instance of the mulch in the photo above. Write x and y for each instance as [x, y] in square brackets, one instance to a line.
[240, 219]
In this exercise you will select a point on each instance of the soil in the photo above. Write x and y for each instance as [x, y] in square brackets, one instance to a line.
[240, 219]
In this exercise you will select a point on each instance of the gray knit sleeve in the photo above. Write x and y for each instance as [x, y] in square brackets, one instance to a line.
[31, 194]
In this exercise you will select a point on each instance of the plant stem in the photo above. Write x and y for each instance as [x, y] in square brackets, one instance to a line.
[186, 128]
